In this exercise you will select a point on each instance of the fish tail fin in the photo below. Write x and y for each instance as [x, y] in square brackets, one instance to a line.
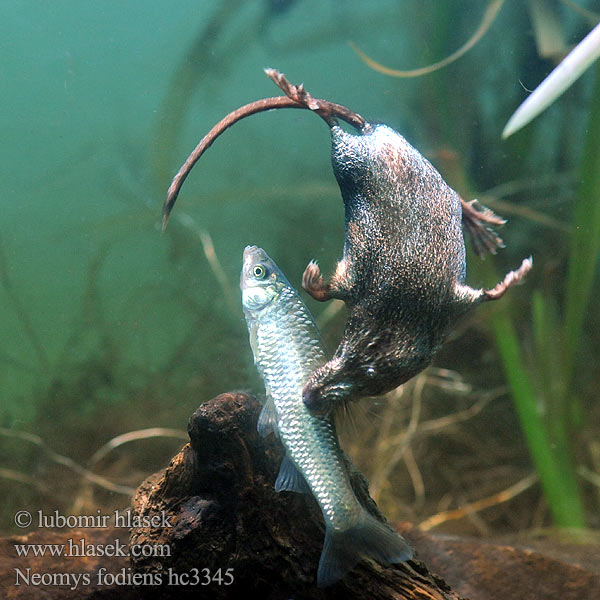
[367, 538]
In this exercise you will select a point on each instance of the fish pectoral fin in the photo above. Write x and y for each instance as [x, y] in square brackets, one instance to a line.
[252, 334]
[267, 420]
[366, 538]
[290, 479]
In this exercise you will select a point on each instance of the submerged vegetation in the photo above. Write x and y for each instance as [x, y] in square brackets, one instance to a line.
[153, 325]
[548, 394]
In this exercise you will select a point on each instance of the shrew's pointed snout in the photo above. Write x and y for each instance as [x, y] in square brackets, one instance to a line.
[314, 401]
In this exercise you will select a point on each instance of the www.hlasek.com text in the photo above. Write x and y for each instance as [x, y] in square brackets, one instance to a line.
[81, 548]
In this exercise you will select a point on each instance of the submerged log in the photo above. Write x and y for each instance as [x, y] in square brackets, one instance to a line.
[230, 529]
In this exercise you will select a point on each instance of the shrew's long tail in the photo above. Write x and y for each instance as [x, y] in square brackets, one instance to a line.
[295, 97]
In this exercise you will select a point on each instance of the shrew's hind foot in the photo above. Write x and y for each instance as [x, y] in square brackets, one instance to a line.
[512, 278]
[478, 221]
[312, 282]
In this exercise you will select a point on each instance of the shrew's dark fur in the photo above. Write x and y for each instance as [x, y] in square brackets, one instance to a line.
[403, 267]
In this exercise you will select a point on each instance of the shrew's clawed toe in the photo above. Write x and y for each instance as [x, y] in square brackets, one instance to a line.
[312, 282]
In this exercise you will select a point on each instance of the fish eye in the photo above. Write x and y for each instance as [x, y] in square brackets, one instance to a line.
[259, 271]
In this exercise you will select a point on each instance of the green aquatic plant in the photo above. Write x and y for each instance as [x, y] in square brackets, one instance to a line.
[546, 395]
[585, 241]
[544, 433]
[563, 76]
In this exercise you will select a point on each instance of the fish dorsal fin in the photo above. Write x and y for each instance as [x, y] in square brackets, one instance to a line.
[290, 479]
[267, 420]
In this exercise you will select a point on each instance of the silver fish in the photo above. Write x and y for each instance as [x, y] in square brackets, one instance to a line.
[287, 348]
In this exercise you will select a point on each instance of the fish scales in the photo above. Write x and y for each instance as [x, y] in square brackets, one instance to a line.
[287, 330]
[287, 348]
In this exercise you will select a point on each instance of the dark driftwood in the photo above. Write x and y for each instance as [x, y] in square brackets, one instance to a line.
[226, 514]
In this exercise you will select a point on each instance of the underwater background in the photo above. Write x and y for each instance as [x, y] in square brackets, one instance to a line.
[109, 327]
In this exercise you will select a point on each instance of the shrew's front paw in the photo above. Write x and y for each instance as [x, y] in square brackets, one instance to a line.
[312, 282]
[511, 278]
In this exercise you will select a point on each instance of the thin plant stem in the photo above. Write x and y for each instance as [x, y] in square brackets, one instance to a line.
[499, 498]
[557, 476]
[68, 462]
[585, 242]
[488, 18]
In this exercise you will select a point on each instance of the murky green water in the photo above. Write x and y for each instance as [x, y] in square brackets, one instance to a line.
[107, 326]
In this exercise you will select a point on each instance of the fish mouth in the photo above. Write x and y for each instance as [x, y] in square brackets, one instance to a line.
[252, 256]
